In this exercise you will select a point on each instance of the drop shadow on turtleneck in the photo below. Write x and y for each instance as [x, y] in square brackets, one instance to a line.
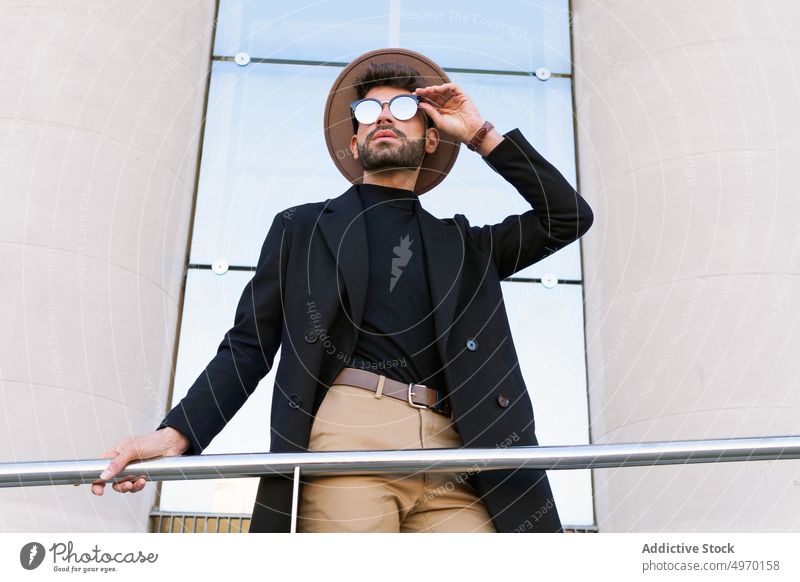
[400, 198]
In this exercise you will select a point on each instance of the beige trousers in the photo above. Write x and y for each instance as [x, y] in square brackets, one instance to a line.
[352, 418]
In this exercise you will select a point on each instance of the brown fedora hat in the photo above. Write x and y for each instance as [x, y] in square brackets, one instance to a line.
[338, 124]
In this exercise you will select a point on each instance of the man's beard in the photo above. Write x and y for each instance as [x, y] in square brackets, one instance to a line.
[402, 153]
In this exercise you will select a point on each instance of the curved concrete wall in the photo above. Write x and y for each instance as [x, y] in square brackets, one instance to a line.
[100, 115]
[688, 146]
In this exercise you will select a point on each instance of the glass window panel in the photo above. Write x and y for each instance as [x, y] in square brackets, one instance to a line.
[474, 34]
[547, 326]
[302, 30]
[263, 153]
[552, 364]
[543, 113]
[208, 313]
[517, 36]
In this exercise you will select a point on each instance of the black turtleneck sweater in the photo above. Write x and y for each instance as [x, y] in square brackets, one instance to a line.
[397, 336]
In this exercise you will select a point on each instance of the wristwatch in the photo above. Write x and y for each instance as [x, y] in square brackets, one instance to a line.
[476, 140]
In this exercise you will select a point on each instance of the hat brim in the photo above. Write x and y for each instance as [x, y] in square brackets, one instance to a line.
[338, 126]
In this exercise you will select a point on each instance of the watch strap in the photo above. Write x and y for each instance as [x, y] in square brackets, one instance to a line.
[476, 140]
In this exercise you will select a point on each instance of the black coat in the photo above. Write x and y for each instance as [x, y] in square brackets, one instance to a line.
[307, 295]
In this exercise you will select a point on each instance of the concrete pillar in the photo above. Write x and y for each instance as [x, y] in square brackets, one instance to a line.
[688, 115]
[100, 116]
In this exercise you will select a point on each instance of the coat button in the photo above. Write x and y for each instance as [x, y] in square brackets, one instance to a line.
[295, 400]
[311, 335]
[502, 400]
[472, 345]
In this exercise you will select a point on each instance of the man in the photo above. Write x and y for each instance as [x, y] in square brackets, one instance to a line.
[392, 325]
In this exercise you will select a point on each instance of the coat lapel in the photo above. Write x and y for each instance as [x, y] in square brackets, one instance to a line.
[344, 215]
[444, 254]
[443, 249]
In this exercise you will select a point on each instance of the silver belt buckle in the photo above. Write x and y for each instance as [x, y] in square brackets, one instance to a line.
[409, 392]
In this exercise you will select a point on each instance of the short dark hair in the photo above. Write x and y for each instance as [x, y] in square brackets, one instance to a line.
[389, 75]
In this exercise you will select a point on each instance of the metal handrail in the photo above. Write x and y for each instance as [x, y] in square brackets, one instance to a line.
[24, 474]
[67, 472]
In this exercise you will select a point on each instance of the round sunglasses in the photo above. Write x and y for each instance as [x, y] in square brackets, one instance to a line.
[402, 107]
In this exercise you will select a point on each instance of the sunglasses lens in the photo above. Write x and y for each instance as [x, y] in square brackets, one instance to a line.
[367, 111]
[403, 107]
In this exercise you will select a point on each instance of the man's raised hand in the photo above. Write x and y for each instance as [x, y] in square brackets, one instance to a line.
[451, 110]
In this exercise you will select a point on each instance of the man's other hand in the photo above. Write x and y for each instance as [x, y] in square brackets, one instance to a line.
[166, 442]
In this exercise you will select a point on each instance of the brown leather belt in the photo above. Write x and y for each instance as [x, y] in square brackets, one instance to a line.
[416, 395]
